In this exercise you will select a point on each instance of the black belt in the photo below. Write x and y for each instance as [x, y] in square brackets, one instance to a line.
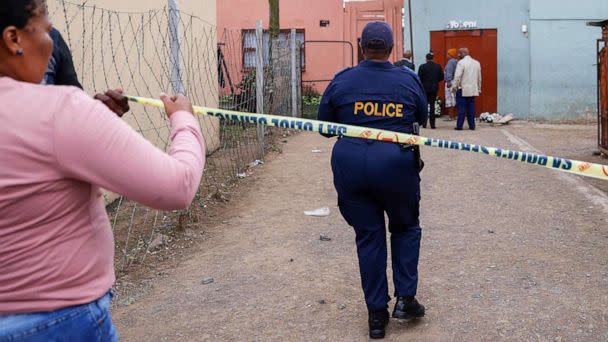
[405, 147]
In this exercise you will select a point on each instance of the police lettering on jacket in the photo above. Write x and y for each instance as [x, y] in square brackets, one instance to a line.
[377, 95]
[391, 110]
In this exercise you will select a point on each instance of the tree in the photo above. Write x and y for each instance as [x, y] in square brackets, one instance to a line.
[274, 28]
[274, 19]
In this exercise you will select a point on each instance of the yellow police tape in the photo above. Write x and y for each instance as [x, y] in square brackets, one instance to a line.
[566, 165]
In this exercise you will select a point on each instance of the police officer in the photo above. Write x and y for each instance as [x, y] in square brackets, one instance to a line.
[374, 177]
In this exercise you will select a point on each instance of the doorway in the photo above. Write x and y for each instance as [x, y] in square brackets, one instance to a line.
[483, 47]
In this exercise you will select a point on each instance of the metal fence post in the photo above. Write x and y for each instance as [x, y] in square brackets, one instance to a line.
[177, 82]
[294, 77]
[259, 81]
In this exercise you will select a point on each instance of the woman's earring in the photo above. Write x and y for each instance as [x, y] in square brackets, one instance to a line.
[19, 52]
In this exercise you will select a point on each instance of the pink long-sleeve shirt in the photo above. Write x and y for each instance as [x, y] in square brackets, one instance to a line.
[57, 148]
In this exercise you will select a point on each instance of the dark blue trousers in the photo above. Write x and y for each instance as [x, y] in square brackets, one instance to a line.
[373, 178]
[466, 107]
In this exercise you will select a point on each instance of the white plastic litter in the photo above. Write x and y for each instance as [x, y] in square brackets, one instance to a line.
[256, 163]
[241, 175]
[320, 212]
[496, 118]
[506, 119]
[490, 117]
[317, 151]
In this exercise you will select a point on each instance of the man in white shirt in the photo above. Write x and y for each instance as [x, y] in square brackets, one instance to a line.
[467, 86]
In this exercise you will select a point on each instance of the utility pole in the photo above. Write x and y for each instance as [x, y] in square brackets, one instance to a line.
[409, 9]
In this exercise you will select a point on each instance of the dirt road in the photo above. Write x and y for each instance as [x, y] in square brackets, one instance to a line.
[509, 252]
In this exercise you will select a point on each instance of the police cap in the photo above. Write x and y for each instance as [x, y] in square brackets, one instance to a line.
[377, 35]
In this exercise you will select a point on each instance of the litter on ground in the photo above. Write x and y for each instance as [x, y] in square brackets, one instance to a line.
[320, 212]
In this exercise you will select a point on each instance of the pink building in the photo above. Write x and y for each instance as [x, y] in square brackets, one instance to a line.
[329, 30]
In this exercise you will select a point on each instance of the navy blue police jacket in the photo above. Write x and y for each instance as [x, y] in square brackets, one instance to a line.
[376, 95]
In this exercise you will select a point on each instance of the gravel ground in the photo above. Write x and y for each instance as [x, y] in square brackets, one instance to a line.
[509, 252]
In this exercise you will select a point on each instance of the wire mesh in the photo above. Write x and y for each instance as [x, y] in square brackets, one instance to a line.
[134, 51]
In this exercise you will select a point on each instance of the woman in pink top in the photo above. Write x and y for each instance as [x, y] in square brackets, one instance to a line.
[58, 147]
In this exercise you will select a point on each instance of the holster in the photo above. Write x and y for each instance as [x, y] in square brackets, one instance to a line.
[416, 148]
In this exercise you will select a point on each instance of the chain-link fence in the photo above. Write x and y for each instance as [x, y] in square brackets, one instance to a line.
[162, 50]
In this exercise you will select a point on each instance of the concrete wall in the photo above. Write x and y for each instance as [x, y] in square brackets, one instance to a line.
[549, 73]
[204, 9]
[580, 9]
[513, 47]
[359, 13]
[563, 58]
[322, 60]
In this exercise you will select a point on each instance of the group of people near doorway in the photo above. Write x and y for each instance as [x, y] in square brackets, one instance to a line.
[462, 77]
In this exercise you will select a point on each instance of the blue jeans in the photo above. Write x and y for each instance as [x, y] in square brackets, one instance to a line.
[466, 106]
[88, 322]
[372, 178]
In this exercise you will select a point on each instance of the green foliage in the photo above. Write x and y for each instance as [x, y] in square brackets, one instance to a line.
[227, 100]
[312, 100]
[244, 99]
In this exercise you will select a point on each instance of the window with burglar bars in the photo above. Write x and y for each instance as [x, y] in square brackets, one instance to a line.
[250, 44]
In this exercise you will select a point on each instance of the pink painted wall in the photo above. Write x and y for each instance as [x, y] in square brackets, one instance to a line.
[358, 14]
[323, 60]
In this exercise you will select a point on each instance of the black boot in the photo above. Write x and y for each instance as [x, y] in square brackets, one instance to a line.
[408, 308]
[377, 323]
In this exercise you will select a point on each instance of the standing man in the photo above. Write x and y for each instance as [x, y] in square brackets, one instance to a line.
[430, 74]
[374, 177]
[450, 70]
[467, 85]
[406, 61]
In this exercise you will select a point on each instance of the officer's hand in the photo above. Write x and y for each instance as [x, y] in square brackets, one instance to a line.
[114, 100]
[176, 103]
